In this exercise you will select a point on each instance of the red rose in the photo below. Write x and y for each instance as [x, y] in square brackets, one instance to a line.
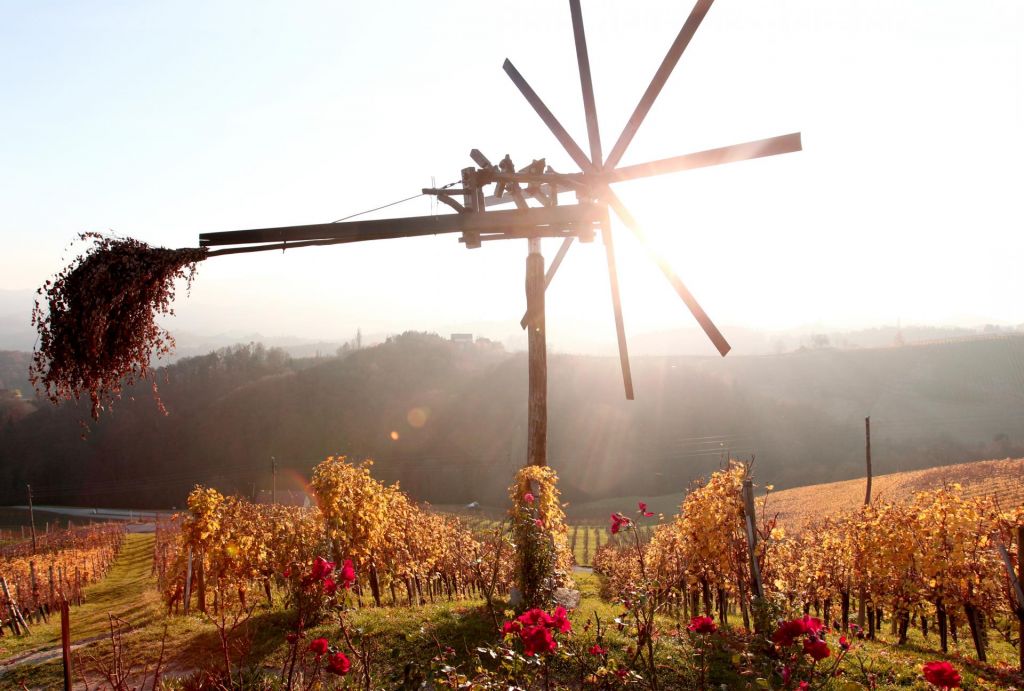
[318, 646]
[812, 624]
[561, 619]
[321, 569]
[844, 643]
[528, 497]
[788, 632]
[618, 522]
[330, 586]
[339, 664]
[537, 639]
[702, 625]
[816, 648]
[596, 649]
[942, 674]
[510, 627]
[643, 509]
[348, 574]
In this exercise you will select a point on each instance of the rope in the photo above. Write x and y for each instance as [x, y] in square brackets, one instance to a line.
[385, 206]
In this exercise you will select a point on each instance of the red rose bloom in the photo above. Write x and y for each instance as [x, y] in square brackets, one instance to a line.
[596, 649]
[942, 674]
[321, 569]
[348, 574]
[330, 586]
[561, 619]
[528, 497]
[812, 624]
[537, 639]
[618, 522]
[318, 646]
[643, 509]
[816, 648]
[536, 629]
[339, 664]
[788, 632]
[702, 625]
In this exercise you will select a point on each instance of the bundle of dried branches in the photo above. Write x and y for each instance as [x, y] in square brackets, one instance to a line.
[98, 332]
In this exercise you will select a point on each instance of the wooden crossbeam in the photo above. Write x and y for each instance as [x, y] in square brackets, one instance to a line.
[541, 221]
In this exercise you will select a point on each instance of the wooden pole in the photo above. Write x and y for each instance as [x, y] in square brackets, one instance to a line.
[867, 452]
[751, 526]
[31, 518]
[537, 413]
[867, 501]
[65, 641]
[188, 580]
[1020, 579]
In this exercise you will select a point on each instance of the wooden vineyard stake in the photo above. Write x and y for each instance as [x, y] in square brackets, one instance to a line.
[65, 641]
[18, 623]
[1015, 584]
[751, 527]
[867, 458]
[188, 580]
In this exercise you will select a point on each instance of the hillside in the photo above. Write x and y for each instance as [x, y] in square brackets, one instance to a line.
[1003, 480]
[449, 421]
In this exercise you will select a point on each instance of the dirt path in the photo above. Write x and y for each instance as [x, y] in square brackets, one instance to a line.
[127, 592]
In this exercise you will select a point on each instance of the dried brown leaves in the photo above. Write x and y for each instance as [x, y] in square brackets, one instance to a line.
[99, 331]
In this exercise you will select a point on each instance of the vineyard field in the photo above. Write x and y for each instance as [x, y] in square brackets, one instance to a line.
[1002, 479]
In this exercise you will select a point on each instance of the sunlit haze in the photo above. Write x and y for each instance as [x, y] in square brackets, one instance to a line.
[162, 121]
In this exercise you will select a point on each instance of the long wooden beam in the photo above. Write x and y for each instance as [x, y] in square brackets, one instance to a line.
[511, 220]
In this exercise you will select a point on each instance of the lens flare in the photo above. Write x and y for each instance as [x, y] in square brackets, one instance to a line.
[417, 417]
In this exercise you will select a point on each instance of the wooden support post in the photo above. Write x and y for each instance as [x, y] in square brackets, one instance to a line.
[751, 527]
[867, 453]
[31, 518]
[200, 569]
[1016, 580]
[472, 200]
[1020, 579]
[18, 622]
[537, 414]
[65, 641]
[188, 581]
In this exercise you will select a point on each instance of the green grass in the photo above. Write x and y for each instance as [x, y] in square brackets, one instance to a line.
[126, 592]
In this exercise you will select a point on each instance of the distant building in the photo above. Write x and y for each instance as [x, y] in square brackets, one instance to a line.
[466, 339]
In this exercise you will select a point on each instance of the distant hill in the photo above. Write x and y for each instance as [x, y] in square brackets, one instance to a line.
[449, 420]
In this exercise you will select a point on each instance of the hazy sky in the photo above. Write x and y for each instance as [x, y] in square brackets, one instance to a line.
[164, 120]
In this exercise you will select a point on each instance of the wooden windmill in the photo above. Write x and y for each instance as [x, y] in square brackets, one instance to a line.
[592, 187]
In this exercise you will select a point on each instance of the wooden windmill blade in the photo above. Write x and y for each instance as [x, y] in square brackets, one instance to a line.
[594, 136]
[597, 176]
[760, 148]
[593, 172]
[668, 64]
